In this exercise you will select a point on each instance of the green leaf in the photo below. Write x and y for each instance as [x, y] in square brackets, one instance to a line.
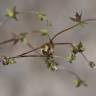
[80, 47]
[71, 57]
[77, 82]
[41, 16]
[44, 32]
[75, 50]
[51, 64]
[92, 64]
[12, 13]
[23, 37]
[76, 18]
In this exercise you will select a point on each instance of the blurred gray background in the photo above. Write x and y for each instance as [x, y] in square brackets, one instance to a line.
[29, 76]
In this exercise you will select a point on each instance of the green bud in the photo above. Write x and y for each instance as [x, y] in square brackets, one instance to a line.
[7, 60]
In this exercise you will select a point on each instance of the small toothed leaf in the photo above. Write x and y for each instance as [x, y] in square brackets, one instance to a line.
[80, 47]
[71, 57]
[77, 82]
[75, 50]
[44, 32]
[23, 37]
[51, 64]
[12, 13]
[77, 17]
[41, 16]
[92, 64]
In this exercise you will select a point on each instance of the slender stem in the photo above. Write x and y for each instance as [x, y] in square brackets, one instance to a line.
[74, 74]
[7, 41]
[85, 57]
[60, 57]
[66, 43]
[24, 12]
[59, 33]
[30, 46]
[4, 22]
[67, 29]
[22, 56]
